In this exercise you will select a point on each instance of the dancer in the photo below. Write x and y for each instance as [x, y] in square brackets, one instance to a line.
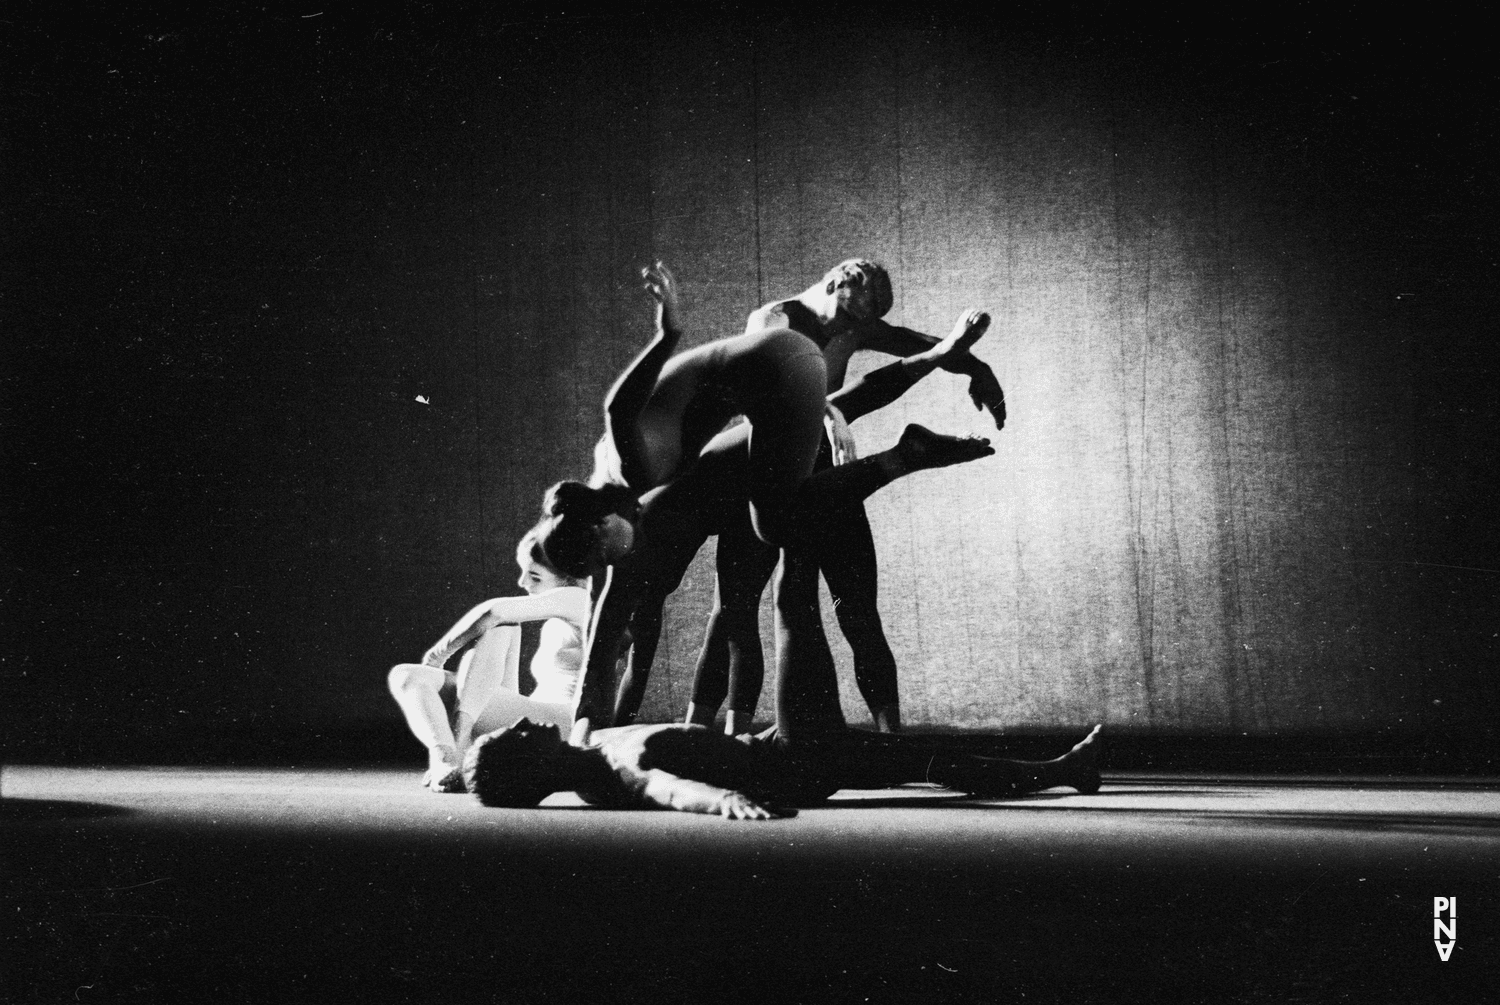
[663, 412]
[842, 314]
[487, 683]
[710, 503]
[683, 766]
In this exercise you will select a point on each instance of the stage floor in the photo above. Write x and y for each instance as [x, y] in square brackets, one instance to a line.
[314, 885]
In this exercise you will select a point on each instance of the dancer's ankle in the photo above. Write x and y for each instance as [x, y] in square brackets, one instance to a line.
[887, 718]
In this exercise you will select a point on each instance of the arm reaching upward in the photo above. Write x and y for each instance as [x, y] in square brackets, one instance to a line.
[627, 398]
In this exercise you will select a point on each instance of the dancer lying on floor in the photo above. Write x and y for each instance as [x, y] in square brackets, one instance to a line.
[842, 313]
[662, 414]
[682, 766]
[708, 502]
[487, 685]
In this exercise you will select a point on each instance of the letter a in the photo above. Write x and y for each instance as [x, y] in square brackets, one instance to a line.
[1445, 951]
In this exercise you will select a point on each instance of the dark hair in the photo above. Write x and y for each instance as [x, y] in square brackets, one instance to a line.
[857, 273]
[501, 769]
[529, 549]
[568, 532]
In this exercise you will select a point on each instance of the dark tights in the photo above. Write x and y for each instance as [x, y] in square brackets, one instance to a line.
[843, 548]
[709, 499]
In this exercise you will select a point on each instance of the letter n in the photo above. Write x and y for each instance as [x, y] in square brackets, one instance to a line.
[1444, 930]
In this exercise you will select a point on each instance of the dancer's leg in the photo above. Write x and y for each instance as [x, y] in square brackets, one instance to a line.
[731, 663]
[506, 707]
[803, 521]
[783, 383]
[645, 634]
[675, 527]
[807, 696]
[493, 665]
[415, 687]
[847, 558]
[872, 760]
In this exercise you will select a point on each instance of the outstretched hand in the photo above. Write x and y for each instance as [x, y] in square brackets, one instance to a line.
[985, 392]
[984, 389]
[738, 806]
[662, 285]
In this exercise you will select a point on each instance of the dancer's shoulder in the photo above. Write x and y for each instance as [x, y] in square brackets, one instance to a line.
[793, 314]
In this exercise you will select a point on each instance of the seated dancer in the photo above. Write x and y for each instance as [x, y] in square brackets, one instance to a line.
[688, 767]
[842, 313]
[488, 679]
[665, 418]
[731, 658]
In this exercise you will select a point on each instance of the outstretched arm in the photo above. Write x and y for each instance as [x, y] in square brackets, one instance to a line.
[627, 398]
[984, 389]
[671, 792]
[570, 603]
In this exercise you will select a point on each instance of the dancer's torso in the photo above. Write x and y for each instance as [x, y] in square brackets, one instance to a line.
[700, 390]
[559, 656]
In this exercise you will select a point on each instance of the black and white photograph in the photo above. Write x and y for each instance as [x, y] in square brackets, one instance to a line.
[786, 504]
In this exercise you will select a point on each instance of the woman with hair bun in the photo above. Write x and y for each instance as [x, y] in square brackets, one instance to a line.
[487, 692]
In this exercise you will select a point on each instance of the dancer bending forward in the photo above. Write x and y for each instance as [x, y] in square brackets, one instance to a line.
[664, 411]
[487, 684]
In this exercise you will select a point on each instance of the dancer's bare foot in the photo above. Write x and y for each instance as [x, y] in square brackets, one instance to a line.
[887, 718]
[920, 448]
[444, 770]
[1079, 767]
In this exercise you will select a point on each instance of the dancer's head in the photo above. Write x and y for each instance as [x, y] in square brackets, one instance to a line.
[537, 574]
[584, 529]
[520, 765]
[862, 288]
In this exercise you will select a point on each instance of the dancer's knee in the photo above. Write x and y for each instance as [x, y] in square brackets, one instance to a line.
[407, 677]
[400, 678]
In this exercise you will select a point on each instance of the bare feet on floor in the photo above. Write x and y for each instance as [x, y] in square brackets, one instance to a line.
[444, 770]
[887, 718]
[920, 448]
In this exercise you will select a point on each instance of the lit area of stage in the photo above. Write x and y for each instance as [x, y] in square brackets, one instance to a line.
[127, 883]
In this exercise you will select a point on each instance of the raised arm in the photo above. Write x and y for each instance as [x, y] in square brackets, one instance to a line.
[571, 603]
[627, 398]
[984, 389]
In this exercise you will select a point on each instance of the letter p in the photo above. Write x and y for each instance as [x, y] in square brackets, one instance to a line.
[1441, 904]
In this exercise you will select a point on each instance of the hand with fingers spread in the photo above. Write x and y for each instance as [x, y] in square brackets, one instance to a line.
[662, 285]
[738, 806]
